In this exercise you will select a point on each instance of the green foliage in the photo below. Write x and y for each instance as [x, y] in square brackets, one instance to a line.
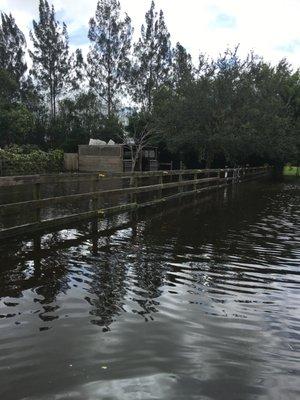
[152, 58]
[12, 48]
[137, 121]
[80, 119]
[235, 109]
[108, 59]
[110, 128]
[8, 87]
[16, 121]
[30, 160]
[182, 67]
[15, 124]
[291, 171]
[77, 70]
[50, 56]
[227, 111]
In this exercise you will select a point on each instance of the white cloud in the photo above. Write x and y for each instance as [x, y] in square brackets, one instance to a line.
[269, 27]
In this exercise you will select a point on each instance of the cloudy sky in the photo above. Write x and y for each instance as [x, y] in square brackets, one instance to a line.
[269, 27]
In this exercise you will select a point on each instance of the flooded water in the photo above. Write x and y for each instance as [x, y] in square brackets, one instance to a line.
[198, 303]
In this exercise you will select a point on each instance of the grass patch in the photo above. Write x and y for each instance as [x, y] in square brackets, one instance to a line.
[291, 171]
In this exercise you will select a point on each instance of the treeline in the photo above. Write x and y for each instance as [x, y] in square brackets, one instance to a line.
[224, 111]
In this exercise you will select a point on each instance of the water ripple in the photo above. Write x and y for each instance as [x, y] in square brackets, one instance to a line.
[202, 303]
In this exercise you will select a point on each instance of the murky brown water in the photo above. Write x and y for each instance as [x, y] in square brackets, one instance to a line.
[199, 303]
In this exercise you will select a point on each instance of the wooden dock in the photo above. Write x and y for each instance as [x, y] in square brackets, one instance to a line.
[130, 191]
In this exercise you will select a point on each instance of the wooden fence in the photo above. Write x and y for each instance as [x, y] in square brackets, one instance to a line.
[158, 186]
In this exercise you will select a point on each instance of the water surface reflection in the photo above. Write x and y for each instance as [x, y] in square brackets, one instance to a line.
[201, 303]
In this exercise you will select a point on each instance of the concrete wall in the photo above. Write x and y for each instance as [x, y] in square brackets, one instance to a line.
[100, 158]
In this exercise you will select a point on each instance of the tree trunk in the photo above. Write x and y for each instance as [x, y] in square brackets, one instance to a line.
[109, 98]
[54, 103]
[209, 159]
[51, 101]
[149, 94]
[109, 75]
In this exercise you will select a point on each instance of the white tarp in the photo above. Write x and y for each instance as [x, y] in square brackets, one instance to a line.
[97, 142]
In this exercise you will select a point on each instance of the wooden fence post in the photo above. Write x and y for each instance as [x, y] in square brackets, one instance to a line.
[95, 199]
[135, 184]
[195, 179]
[95, 206]
[37, 196]
[219, 177]
[226, 175]
[160, 181]
[180, 180]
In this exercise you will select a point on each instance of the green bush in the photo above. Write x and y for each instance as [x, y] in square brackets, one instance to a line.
[30, 160]
[291, 171]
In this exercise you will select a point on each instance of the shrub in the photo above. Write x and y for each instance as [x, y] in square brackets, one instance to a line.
[24, 160]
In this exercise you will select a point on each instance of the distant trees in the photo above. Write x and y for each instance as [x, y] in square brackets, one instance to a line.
[108, 64]
[15, 119]
[236, 111]
[152, 58]
[182, 67]
[50, 56]
[78, 119]
[228, 110]
[12, 48]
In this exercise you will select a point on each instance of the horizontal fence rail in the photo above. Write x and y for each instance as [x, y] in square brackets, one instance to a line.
[103, 175]
[130, 197]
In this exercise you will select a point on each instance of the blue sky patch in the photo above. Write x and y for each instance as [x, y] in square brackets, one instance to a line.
[224, 21]
[62, 16]
[290, 47]
[79, 37]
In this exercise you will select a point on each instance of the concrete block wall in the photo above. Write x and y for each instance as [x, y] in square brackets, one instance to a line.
[100, 158]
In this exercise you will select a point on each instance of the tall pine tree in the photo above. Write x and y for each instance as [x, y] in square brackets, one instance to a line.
[153, 57]
[108, 60]
[182, 67]
[50, 55]
[77, 73]
[12, 48]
